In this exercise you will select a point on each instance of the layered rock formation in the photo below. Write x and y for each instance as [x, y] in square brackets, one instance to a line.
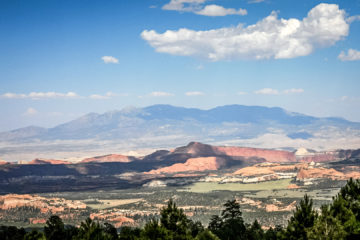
[319, 173]
[193, 165]
[264, 169]
[268, 155]
[51, 205]
[2, 162]
[48, 161]
[109, 158]
[246, 153]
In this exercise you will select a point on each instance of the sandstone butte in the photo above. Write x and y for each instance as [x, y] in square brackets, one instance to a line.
[268, 155]
[108, 158]
[37, 220]
[246, 152]
[2, 162]
[276, 208]
[48, 161]
[320, 173]
[193, 164]
[118, 219]
[261, 169]
[254, 171]
[10, 201]
[325, 157]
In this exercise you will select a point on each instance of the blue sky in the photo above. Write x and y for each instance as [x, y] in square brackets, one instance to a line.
[60, 59]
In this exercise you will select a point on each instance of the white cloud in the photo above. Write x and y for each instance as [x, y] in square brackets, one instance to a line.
[57, 95]
[184, 5]
[351, 55]
[353, 18]
[256, 1]
[39, 95]
[216, 10]
[197, 7]
[161, 94]
[241, 93]
[13, 95]
[293, 90]
[269, 38]
[110, 59]
[267, 91]
[30, 111]
[195, 93]
[271, 91]
[108, 95]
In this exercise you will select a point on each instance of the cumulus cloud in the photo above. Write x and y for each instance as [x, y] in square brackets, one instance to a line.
[197, 7]
[195, 93]
[353, 18]
[184, 5]
[216, 10]
[256, 1]
[30, 111]
[108, 95]
[110, 59]
[267, 91]
[13, 95]
[270, 38]
[351, 55]
[39, 95]
[161, 94]
[271, 91]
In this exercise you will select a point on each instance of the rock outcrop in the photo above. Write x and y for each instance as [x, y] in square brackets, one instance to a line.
[48, 161]
[265, 169]
[269, 155]
[193, 165]
[2, 162]
[52, 205]
[320, 173]
[109, 158]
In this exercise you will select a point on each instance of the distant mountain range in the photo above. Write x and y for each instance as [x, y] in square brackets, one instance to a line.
[196, 159]
[169, 119]
[164, 126]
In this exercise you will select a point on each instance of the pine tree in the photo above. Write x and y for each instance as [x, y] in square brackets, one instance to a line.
[54, 229]
[255, 232]
[34, 235]
[230, 225]
[302, 220]
[175, 222]
[206, 235]
[154, 231]
[326, 227]
[346, 208]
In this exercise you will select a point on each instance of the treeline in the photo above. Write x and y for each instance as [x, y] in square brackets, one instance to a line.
[338, 220]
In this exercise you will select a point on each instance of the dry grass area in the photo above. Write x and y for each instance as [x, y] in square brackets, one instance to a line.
[203, 187]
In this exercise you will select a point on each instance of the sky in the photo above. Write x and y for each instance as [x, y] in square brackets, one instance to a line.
[60, 59]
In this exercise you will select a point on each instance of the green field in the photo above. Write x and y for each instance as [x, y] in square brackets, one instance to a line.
[204, 187]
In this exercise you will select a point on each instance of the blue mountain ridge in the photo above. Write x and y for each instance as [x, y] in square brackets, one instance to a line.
[167, 119]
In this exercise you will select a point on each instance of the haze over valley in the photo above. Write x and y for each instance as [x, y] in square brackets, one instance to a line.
[138, 131]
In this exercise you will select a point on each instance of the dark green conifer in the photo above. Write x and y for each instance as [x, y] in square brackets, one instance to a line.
[302, 220]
